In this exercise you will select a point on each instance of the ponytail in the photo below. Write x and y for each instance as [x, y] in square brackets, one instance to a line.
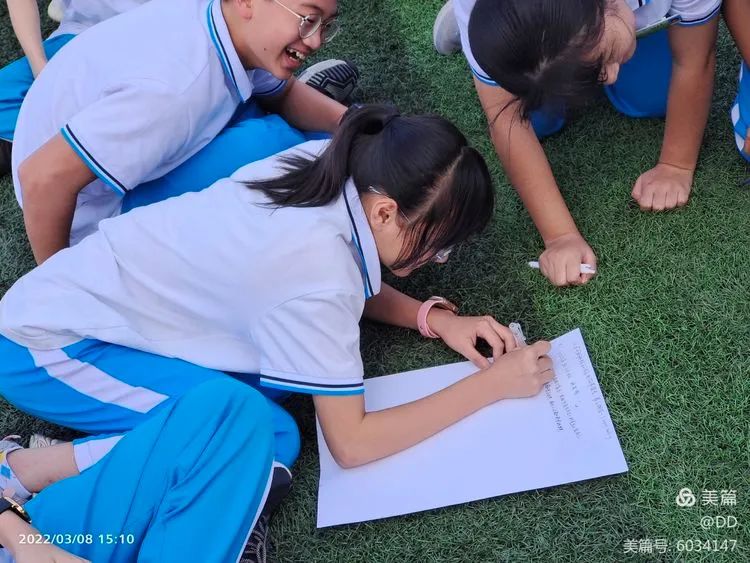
[422, 162]
[311, 182]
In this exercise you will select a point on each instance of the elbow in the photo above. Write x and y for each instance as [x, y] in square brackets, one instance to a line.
[32, 181]
[348, 454]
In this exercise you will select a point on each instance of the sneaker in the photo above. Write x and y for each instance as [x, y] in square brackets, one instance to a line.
[56, 11]
[445, 35]
[41, 441]
[5, 150]
[259, 543]
[7, 445]
[334, 78]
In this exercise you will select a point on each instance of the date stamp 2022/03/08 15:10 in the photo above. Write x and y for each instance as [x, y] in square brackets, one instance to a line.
[73, 539]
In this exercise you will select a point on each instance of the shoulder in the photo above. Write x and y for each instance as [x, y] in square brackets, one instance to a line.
[138, 45]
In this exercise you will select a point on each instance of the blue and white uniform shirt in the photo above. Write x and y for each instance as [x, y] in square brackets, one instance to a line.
[647, 12]
[217, 278]
[79, 15]
[135, 96]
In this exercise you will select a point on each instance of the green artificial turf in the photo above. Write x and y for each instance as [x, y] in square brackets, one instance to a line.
[666, 322]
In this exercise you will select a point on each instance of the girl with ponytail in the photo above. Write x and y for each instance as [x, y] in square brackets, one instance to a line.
[266, 274]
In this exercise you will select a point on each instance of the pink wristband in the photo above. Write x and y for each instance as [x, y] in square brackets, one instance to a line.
[424, 309]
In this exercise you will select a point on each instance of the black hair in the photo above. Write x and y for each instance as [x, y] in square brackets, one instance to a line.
[541, 51]
[422, 162]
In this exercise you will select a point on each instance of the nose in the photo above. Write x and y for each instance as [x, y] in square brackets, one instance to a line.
[315, 41]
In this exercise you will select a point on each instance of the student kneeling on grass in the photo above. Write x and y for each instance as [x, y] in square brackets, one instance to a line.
[139, 95]
[533, 59]
[267, 274]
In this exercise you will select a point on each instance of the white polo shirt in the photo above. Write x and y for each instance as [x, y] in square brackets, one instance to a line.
[79, 15]
[135, 96]
[217, 278]
[647, 12]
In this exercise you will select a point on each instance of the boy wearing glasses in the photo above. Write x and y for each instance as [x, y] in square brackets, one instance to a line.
[132, 99]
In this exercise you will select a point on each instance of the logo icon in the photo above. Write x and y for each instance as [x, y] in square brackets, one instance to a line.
[685, 498]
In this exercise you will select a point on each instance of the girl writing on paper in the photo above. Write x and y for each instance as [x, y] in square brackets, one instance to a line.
[267, 274]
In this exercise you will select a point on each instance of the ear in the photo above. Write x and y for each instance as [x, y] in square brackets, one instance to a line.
[610, 72]
[244, 8]
[383, 214]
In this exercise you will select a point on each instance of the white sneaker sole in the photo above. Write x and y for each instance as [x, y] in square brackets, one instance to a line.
[55, 11]
[335, 78]
[446, 37]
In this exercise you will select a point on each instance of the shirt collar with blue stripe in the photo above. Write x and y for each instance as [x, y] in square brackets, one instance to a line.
[363, 241]
[230, 60]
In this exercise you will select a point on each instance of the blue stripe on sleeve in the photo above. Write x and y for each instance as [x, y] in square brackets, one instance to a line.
[484, 79]
[311, 388]
[91, 162]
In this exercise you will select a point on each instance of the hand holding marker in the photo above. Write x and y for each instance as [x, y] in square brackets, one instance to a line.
[585, 268]
[518, 334]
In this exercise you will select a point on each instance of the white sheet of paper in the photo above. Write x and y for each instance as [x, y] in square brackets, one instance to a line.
[562, 435]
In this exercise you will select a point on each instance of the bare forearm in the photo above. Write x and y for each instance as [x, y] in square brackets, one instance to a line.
[48, 223]
[525, 163]
[531, 175]
[307, 109]
[687, 114]
[12, 530]
[690, 91]
[392, 307]
[383, 433]
[24, 17]
[737, 16]
[51, 179]
[356, 437]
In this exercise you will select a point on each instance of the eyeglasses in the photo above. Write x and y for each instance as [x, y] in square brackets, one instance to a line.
[377, 191]
[441, 256]
[309, 25]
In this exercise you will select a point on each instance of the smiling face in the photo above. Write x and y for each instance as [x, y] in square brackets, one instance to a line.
[618, 40]
[266, 33]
